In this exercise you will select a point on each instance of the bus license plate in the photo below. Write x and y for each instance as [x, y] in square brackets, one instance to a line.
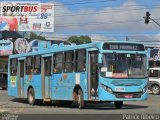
[128, 96]
[120, 89]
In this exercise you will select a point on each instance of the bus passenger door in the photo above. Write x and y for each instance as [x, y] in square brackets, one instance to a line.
[93, 75]
[21, 78]
[47, 62]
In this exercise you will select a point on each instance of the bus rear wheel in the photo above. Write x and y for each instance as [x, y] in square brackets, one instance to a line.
[80, 99]
[31, 97]
[118, 104]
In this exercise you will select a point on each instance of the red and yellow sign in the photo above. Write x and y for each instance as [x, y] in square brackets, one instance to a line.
[27, 16]
[120, 75]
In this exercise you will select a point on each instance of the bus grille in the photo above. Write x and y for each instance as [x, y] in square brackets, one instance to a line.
[127, 83]
[132, 95]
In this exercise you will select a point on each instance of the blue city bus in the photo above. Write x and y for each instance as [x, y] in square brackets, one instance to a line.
[94, 72]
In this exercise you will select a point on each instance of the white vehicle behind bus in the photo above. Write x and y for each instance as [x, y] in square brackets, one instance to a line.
[154, 80]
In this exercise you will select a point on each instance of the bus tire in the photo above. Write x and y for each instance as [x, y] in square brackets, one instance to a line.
[155, 90]
[118, 104]
[31, 96]
[4, 88]
[80, 99]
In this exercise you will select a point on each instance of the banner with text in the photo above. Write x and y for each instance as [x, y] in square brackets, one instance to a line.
[26, 16]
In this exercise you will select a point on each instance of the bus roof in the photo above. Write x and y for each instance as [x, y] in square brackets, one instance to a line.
[68, 47]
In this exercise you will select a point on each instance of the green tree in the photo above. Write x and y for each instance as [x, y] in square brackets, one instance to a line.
[35, 36]
[79, 39]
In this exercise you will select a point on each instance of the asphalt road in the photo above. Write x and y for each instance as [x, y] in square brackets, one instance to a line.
[20, 106]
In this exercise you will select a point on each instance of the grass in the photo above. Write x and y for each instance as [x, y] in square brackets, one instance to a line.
[4, 113]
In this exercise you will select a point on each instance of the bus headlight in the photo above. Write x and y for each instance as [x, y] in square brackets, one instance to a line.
[106, 88]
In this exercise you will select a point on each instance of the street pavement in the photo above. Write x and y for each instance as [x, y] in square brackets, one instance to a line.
[20, 106]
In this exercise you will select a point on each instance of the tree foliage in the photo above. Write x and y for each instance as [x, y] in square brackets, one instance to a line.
[79, 39]
[35, 36]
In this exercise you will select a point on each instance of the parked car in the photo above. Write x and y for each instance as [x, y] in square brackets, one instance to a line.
[3, 80]
[154, 80]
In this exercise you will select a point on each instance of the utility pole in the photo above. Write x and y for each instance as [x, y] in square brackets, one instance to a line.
[148, 18]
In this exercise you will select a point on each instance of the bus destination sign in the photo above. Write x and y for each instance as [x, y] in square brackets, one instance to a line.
[123, 46]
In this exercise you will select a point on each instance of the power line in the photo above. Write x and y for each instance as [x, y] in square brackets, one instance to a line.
[115, 33]
[90, 1]
[116, 10]
[144, 5]
[73, 1]
[96, 23]
[99, 23]
[146, 41]
[87, 2]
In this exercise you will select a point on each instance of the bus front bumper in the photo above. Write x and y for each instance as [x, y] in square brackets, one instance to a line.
[119, 96]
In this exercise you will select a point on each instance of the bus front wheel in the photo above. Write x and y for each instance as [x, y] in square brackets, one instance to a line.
[80, 99]
[31, 96]
[118, 104]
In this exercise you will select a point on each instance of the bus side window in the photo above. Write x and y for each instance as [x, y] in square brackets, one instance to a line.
[47, 63]
[13, 67]
[68, 61]
[58, 63]
[29, 65]
[37, 64]
[80, 62]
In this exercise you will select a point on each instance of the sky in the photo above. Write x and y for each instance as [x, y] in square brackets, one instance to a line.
[106, 19]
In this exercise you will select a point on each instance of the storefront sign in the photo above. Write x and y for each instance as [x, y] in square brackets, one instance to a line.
[6, 47]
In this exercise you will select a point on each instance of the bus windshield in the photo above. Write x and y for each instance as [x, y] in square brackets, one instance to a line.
[122, 65]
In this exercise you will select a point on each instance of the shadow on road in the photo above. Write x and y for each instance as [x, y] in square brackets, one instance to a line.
[20, 100]
[3, 89]
[110, 106]
[89, 106]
